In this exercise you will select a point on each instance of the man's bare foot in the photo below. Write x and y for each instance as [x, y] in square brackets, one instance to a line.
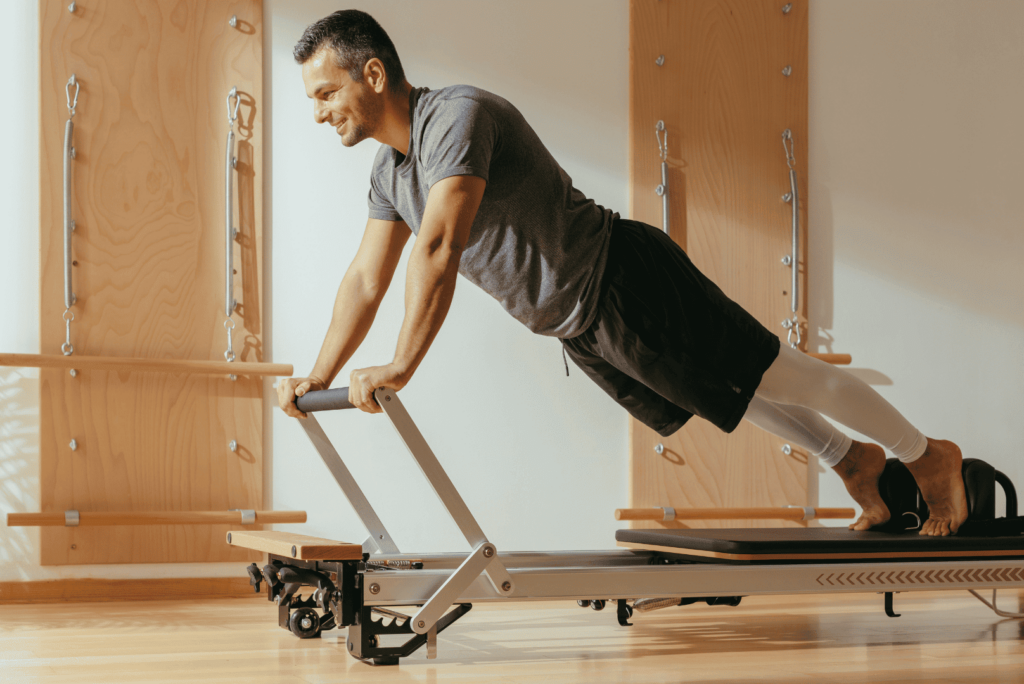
[938, 474]
[860, 470]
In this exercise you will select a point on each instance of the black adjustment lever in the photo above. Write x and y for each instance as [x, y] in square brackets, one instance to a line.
[255, 576]
[270, 575]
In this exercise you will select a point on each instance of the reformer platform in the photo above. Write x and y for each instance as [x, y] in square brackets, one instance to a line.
[814, 545]
[360, 586]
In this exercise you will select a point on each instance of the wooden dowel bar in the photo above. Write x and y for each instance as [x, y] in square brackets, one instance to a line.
[834, 359]
[108, 518]
[796, 513]
[174, 366]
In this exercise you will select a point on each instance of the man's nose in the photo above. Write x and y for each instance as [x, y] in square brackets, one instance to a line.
[319, 111]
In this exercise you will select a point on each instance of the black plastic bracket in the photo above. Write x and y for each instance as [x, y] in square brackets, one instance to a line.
[888, 606]
[364, 635]
[625, 611]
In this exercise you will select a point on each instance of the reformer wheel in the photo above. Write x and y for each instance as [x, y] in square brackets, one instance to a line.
[304, 623]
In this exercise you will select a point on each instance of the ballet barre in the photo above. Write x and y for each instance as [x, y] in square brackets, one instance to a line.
[74, 518]
[666, 513]
[174, 366]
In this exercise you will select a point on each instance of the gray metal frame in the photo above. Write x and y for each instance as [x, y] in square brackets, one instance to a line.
[486, 575]
[629, 574]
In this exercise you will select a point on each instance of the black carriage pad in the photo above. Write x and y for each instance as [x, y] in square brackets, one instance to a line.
[814, 545]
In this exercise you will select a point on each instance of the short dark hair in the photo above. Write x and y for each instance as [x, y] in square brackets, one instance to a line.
[356, 38]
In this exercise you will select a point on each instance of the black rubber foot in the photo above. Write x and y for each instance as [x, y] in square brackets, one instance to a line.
[388, 660]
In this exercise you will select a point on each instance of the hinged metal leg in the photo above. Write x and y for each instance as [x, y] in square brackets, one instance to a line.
[427, 616]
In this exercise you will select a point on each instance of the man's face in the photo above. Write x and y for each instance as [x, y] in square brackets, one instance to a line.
[352, 108]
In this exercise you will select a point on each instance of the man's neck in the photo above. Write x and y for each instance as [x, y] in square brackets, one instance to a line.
[397, 121]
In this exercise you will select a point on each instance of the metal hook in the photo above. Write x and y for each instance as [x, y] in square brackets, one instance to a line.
[233, 115]
[787, 137]
[73, 81]
[662, 146]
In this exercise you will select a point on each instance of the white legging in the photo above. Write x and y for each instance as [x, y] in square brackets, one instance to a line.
[797, 389]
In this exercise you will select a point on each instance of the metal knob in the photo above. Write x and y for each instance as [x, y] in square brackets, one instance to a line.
[659, 449]
[233, 445]
[786, 449]
[73, 445]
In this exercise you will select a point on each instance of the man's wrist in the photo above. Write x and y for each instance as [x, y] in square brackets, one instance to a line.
[402, 371]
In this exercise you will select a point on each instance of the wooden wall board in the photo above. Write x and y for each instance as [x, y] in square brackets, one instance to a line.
[148, 200]
[725, 103]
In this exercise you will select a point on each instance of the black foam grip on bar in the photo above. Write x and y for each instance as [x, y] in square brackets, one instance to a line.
[324, 400]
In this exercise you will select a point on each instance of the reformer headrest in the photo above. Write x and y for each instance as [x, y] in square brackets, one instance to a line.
[908, 510]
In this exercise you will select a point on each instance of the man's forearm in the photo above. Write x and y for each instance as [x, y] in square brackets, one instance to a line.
[429, 288]
[354, 310]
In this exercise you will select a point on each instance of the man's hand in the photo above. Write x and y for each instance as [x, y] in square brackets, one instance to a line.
[289, 388]
[364, 381]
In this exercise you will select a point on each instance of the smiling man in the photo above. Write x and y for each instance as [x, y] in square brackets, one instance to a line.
[461, 169]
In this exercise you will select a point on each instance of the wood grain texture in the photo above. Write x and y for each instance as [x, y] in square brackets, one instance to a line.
[148, 200]
[299, 546]
[943, 636]
[725, 103]
[91, 590]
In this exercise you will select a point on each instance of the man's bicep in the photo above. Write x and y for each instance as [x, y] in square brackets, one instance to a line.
[452, 206]
[379, 253]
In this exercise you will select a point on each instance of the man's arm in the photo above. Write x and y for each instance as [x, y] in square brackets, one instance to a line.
[430, 284]
[359, 296]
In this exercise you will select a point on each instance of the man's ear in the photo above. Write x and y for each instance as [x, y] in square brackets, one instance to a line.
[375, 75]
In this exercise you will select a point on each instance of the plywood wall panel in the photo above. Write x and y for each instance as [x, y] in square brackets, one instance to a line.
[725, 102]
[148, 199]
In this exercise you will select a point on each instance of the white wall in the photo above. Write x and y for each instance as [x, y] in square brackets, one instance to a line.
[916, 237]
[916, 212]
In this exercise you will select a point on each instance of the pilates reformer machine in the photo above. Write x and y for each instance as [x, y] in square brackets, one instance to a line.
[359, 586]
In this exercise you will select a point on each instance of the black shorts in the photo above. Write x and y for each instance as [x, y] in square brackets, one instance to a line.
[667, 344]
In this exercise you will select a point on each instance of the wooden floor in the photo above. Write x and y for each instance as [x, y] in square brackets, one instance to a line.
[942, 637]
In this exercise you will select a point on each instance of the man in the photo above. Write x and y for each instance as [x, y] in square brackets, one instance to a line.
[462, 169]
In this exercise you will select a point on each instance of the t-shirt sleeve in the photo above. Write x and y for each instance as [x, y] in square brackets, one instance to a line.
[459, 141]
[379, 205]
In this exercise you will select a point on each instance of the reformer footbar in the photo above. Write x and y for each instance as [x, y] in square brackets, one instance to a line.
[357, 586]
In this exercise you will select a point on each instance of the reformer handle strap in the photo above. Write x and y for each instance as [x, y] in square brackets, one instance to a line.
[324, 400]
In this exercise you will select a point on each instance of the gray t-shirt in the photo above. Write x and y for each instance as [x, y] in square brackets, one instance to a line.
[537, 245]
